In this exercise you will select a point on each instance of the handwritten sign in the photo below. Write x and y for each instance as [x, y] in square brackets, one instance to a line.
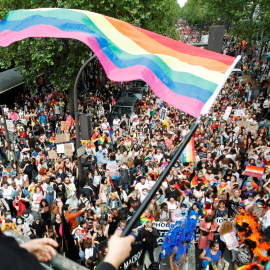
[64, 125]
[10, 125]
[60, 148]
[60, 138]
[81, 151]
[243, 123]
[239, 112]
[68, 150]
[52, 154]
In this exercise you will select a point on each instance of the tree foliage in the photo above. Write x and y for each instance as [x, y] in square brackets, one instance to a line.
[62, 58]
[246, 18]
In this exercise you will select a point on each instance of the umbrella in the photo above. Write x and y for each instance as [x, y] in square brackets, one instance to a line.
[25, 150]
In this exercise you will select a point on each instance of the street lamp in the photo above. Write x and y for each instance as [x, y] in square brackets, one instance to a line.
[5, 125]
[75, 96]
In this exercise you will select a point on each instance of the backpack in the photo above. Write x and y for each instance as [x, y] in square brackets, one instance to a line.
[54, 208]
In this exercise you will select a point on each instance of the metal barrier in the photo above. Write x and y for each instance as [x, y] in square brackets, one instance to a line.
[58, 262]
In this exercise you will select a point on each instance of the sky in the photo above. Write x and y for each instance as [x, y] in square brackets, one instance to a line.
[181, 2]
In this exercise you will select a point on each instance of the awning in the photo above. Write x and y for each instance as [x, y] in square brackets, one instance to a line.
[10, 79]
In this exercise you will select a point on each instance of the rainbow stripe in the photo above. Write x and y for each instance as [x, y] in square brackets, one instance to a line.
[188, 155]
[5, 172]
[221, 190]
[182, 75]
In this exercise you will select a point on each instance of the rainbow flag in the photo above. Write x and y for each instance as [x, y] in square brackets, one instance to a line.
[250, 267]
[35, 154]
[155, 164]
[41, 106]
[188, 155]
[174, 70]
[51, 142]
[254, 185]
[5, 172]
[243, 204]
[148, 158]
[221, 190]
[131, 210]
[254, 171]
[102, 140]
[146, 219]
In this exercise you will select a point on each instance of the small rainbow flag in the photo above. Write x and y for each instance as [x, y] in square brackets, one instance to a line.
[194, 182]
[148, 158]
[35, 154]
[41, 106]
[5, 172]
[221, 190]
[254, 171]
[250, 267]
[146, 219]
[243, 204]
[155, 164]
[51, 142]
[188, 155]
[131, 210]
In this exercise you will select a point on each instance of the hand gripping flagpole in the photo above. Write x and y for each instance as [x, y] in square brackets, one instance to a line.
[156, 187]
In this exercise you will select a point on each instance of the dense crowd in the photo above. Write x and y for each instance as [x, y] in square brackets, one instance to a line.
[44, 198]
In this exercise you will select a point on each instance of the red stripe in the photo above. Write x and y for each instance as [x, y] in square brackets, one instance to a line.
[186, 48]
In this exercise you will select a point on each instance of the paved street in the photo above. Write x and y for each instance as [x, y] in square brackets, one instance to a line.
[194, 263]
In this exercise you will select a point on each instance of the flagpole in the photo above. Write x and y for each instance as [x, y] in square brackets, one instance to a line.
[156, 187]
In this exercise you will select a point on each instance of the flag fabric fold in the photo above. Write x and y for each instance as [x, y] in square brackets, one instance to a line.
[186, 77]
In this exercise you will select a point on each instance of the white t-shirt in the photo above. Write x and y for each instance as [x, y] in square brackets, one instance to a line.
[139, 187]
[105, 127]
[7, 192]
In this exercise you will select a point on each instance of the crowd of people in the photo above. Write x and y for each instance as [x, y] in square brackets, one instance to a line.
[43, 197]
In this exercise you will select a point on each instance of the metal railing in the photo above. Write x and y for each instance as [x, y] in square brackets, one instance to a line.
[58, 262]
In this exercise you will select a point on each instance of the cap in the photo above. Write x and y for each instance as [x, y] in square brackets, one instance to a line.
[249, 186]
[172, 183]
[250, 195]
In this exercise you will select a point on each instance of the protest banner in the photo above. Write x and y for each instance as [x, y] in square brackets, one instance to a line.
[135, 255]
[64, 125]
[163, 227]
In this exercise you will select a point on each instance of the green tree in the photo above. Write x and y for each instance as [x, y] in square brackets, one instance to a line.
[248, 19]
[61, 59]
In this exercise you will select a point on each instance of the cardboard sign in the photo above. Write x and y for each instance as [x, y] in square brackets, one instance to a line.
[243, 123]
[52, 154]
[64, 125]
[60, 138]
[60, 148]
[252, 128]
[81, 151]
[68, 150]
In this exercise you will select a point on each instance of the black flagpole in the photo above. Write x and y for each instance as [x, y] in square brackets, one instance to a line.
[155, 188]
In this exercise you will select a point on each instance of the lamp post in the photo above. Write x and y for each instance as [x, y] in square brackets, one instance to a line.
[75, 96]
[5, 125]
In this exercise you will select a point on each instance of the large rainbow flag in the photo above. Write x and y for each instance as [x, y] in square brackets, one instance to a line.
[188, 155]
[182, 75]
